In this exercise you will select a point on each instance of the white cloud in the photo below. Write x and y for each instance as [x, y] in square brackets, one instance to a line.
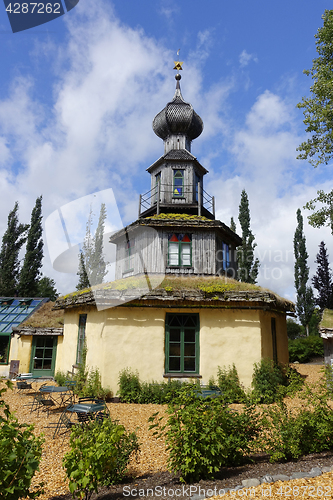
[245, 58]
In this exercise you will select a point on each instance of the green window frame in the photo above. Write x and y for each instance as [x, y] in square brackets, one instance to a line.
[81, 337]
[180, 250]
[4, 348]
[182, 344]
[178, 183]
[129, 253]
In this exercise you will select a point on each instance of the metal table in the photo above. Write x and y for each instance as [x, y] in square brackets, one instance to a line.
[65, 394]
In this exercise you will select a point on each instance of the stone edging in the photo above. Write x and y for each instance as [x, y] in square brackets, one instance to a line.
[253, 482]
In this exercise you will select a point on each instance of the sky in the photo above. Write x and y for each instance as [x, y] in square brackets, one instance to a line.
[78, 96]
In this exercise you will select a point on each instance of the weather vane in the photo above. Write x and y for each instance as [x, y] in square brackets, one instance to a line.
[178, 64]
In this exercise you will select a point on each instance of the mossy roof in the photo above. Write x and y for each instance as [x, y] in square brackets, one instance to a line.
[327, 319]
[45, 317]
[211, 289]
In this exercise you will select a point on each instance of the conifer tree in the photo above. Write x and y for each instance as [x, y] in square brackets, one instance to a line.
[12, 241]
[305, 303]
[232, 225]
[322, 280]
[92, 265]
[47, 288]
[248, 265]
[31, 269]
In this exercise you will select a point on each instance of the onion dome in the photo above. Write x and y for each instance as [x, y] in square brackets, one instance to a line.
[178, 118]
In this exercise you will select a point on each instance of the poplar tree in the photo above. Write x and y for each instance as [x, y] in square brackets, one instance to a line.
[12, 242]
[92, 266]
[232, 225]
[305, 304]
[248, 265]
[322, 280]
[47, 288]
[32, 264]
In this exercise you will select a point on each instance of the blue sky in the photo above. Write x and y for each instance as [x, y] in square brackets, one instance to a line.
[78, 95]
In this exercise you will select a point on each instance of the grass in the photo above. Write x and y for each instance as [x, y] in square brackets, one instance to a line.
[44, 317]
[327, 320]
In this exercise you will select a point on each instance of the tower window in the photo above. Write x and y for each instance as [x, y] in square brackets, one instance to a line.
[129, 253]
[182, 343]
[180, 250]
[178, 182]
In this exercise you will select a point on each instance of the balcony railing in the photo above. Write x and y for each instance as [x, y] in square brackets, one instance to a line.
[162, 192]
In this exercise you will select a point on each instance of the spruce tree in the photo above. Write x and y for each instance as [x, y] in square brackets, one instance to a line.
[31, 269]
[92, 265]
[47, 288]
[12, 241]
[322, 280]
[305, 303]
[82, 273]
[248, 265]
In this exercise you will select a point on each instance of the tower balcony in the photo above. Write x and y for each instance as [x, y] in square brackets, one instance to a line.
[184, 199]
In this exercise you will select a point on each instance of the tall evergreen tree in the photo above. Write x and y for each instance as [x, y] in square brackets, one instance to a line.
[322, 280]
[92, 265]
[248, 265]
[305, 303]
[31, 269]
[47, 288]
[232, 225]
[12, 241]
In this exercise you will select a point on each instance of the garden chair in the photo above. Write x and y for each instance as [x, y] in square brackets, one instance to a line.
[23, 386]
[40, 401]
[63, 425]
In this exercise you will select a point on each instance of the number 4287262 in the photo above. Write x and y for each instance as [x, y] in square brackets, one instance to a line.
[34, 8]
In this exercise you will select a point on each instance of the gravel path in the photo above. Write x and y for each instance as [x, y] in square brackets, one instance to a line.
[149, 472]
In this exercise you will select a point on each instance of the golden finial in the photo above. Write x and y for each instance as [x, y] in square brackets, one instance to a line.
[178, 64]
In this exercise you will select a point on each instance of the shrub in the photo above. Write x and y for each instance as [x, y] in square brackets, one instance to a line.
[20, 454]
[129, 386]
[93, 386]
[60, 378]
[291, 433]
[303, 349]
[131, 390]
[228, 382]
[99, 456]
[267, 377]
[202, 435]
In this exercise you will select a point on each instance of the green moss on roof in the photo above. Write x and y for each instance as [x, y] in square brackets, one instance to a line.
[45, 317]
[178, 217]
[327, 319]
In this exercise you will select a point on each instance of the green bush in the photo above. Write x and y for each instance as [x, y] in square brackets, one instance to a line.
[129, 386]
[290, 433]
[60, 378]
[228, 383]
[20, 455]
[202, 435]
[303, 349]
[93, 386]
[99, 456]
[266, 380]
[132, 390]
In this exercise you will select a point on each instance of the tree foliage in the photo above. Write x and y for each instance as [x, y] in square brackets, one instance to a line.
[92, 265]
[318, 118]
[318, 109]
[233, 225]
[322, 280]
[12, 242]
[47, 288]
[305, 300]
[20, 454]
[32, 264]
[248, 265]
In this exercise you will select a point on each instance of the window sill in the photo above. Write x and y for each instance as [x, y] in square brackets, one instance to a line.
[181, 375]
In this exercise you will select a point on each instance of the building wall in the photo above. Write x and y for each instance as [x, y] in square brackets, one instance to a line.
[281, 336]
[125, 337]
